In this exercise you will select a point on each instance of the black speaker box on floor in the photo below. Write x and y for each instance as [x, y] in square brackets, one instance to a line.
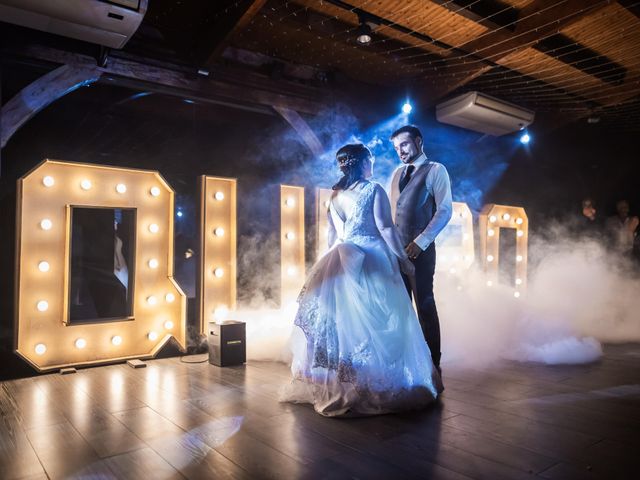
[227, 343]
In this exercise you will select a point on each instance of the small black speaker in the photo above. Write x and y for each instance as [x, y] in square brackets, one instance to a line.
[227, 343]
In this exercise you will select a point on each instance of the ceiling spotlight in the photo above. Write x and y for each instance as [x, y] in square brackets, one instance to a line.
[406, 108]
[525, 138]
[363, 34]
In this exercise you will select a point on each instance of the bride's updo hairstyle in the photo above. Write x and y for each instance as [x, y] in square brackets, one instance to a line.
[351, 160]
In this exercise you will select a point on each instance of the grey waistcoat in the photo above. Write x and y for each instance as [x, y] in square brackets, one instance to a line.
[415, 207]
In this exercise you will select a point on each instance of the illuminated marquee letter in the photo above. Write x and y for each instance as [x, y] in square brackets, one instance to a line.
[45, 201]
[323, 195]
[455, 243]
[492, 219]
[218, 260]
[292, 242]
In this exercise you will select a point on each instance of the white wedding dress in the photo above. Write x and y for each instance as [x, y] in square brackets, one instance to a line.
[357, 345]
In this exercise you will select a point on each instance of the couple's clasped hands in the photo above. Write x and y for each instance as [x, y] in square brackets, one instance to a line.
[406, 265]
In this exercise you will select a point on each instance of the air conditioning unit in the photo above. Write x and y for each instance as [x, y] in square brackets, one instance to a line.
[483, 113]
[106, 23]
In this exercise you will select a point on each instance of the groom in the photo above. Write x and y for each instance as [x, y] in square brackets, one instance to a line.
[421, 203]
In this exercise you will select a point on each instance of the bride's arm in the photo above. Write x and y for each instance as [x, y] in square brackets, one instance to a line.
[384, 222]
[331, 231]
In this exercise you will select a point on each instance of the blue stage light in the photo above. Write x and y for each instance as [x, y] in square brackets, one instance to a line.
[525, 138]
[406, 108]
[179, 214]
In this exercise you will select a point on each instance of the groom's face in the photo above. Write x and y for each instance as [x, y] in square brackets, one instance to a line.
[406, 147]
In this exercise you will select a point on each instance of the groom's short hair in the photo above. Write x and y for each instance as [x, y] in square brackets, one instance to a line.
[413, 131]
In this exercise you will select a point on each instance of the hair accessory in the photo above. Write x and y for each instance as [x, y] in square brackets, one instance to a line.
[348, 161]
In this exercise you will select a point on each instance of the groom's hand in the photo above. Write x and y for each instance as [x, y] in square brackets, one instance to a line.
[413, 250]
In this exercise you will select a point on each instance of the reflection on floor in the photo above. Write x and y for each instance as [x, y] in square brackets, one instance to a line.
[182, 420]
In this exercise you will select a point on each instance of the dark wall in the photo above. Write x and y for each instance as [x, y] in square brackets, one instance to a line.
[560, 168]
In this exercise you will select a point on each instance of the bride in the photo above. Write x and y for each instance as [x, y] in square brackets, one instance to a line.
[357, 345]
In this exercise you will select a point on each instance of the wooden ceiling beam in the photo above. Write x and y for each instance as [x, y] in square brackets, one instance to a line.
[219, 36]
[632, 5]
[539, 19]
[243, 88]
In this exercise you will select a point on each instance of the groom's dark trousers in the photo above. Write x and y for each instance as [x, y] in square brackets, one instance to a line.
[427, 314]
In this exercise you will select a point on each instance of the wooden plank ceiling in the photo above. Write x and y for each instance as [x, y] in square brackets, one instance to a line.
[577, 58]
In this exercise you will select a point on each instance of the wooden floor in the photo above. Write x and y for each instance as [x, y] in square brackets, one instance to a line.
[180, 420]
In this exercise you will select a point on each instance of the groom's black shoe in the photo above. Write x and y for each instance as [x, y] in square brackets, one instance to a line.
[440, 375]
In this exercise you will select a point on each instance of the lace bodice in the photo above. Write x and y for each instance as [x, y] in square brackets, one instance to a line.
[360, 223]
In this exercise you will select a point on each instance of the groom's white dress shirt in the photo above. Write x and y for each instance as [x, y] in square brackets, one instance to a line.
[438, 185]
